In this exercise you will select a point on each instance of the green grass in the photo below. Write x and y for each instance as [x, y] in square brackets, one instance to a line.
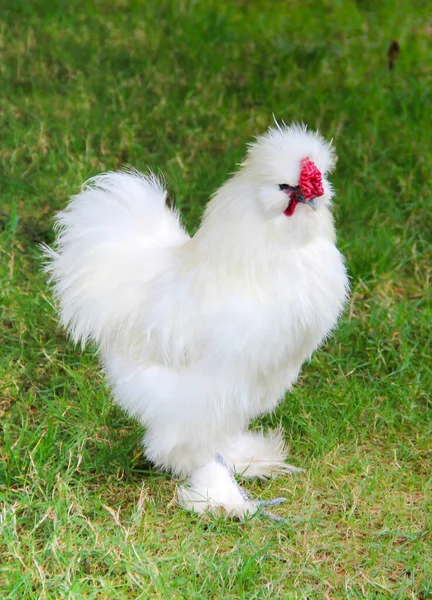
[182, 86]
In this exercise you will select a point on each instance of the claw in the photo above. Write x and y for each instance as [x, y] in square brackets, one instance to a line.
[272, 516]
[273, 502]
[266, 513]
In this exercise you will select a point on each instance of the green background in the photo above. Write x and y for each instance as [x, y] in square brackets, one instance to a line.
[182, 87]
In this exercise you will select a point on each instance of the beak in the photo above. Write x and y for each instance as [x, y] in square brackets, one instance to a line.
[311, 202]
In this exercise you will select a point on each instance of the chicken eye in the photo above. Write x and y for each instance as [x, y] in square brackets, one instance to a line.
[283, 186]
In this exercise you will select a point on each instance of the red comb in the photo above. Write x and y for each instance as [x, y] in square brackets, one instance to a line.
[310, 180]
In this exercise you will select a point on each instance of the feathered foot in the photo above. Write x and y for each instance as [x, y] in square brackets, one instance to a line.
[213, 489]
[255, 454]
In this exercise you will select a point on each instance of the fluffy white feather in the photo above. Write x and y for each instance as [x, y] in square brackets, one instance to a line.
[200, 335]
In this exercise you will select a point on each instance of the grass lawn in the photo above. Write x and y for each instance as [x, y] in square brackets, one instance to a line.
[181, 87]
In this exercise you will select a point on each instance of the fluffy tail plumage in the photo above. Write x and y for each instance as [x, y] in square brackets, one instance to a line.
[112, 239]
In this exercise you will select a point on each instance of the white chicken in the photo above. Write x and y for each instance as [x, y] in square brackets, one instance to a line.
[198, 336]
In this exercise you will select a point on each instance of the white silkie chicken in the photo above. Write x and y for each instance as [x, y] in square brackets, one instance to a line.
[198, 336]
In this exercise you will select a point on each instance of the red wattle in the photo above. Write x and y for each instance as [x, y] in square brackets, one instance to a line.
[289, 211]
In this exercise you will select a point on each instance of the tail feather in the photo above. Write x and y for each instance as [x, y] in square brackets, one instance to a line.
[112, 239]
